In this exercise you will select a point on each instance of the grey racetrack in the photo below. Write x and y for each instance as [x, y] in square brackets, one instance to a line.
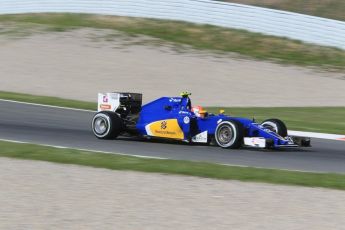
[71, 128]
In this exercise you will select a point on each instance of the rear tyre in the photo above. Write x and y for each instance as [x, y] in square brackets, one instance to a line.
[106, 125]
[276, 126]
[229, 134]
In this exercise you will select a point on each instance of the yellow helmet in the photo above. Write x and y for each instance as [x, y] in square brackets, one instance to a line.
[185, 94]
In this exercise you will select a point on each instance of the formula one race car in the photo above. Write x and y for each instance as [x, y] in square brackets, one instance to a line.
[175, 118]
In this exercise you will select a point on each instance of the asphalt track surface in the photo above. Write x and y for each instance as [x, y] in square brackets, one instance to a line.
[71, 128]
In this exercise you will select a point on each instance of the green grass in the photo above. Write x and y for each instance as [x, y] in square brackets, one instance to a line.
[205, 37]
[314, 119]
[198, 169]
[48, 100]
[333, 9]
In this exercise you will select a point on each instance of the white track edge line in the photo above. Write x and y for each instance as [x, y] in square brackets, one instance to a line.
[327, 136]
[43, 105]
[159, 158]
[80, 149]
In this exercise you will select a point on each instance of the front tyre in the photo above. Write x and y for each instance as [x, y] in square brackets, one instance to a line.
[276, 126]
[106, 125]
[229, 134]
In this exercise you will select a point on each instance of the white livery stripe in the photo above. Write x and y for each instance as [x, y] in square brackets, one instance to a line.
[148, 130]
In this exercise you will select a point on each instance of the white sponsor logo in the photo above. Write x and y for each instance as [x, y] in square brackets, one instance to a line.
[108, 101]
[186, 120]
[255, 142]
[174, 100]
[200, 138]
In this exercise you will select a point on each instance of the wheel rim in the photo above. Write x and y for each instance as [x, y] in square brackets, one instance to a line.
[271, 126]
[100, 125]
[225, 135]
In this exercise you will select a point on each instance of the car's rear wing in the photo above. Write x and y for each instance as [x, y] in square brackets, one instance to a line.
[120, 102]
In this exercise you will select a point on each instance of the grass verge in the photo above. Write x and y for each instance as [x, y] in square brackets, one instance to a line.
[56, 101]
[204, 37]
[333, 9]
[198, 169]
[313, 119]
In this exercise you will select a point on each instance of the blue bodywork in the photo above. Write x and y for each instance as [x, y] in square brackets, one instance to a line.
[180, 107]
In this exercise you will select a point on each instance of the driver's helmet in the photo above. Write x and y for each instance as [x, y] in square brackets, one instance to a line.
[199, 111]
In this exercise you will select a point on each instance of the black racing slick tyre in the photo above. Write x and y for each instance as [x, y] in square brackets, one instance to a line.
[229, 134]
[106, 125]
[276, 126]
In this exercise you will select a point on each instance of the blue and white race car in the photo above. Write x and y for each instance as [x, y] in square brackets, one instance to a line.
[174, 118]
